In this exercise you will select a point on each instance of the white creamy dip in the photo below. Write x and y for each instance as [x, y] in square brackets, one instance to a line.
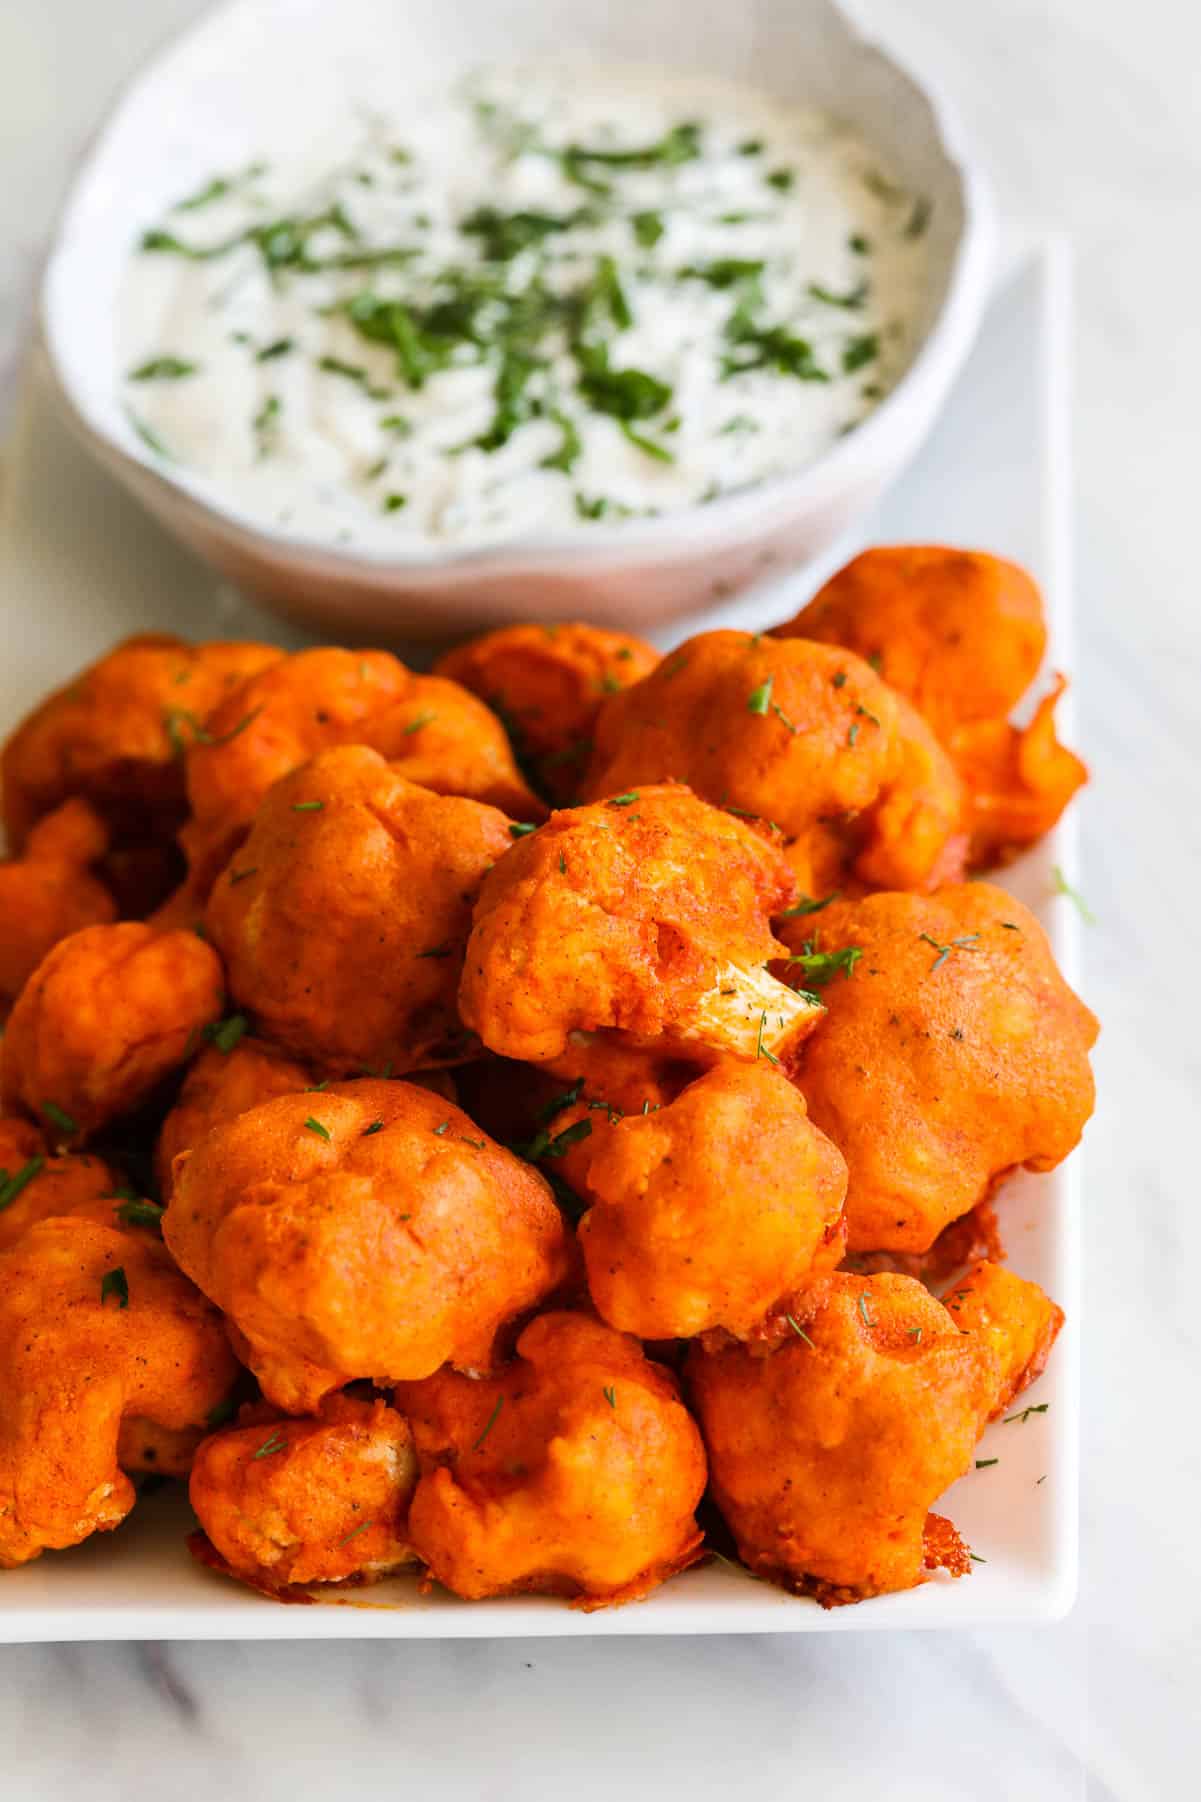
[531, 305]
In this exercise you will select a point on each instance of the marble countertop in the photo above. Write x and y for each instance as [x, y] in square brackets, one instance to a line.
[1088, 117]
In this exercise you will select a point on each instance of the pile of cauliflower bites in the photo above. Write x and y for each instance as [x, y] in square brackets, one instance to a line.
[433, 1179]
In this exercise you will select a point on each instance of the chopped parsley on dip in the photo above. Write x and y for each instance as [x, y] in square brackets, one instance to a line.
[530, 306]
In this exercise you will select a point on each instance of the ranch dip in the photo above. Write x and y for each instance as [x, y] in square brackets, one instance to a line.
[534, 305]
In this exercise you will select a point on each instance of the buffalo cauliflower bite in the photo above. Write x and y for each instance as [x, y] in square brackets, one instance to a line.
[1019, 1323]
[952, 1052]
[961, 635]
[648, 915]
[106, 1015]
[433, 730]
[706, 1211]
[548, 683]
[343, 918]
[575, 1472]
[116, 737]
[220, 1085]
[370, 1230]
[804, 736]
[37, 1185]
[323, 1500]
[96, 1326]
[828, 1446]
[1019, 779]
[50, 892]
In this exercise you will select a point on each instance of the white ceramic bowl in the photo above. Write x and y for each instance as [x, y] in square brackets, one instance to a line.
[254, 72]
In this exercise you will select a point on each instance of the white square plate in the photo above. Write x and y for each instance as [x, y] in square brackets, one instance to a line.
[80, 565]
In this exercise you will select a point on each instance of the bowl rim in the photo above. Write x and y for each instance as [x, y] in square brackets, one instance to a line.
[732, 517]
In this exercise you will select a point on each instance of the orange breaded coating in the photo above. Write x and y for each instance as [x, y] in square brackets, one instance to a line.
[370, 1230]
[220, 1085]
[96, 1325]
[117, 734]
[1017, 1320]
[549, 683]
[437, 733]
[827, 1449]
[576, 1472]
[960, 633]
[106, 1015]
[309, 1501]
[952, 1052]
[802, 735]
[36, 1185]
[647, 914]
[50, 892]
[343, 918]
[1019, 780]
[706, 1211]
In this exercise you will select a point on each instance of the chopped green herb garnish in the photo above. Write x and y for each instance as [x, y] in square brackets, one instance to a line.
[782, 179]
[274, 1442]
[521, 828]
[859, 244]
[236, 876]
[610, 1395]
[115, 1282]
[821, 967]
[221, 1414]
[1024, 1414]
[226, 1033]
[307, 806]
[149, 436]
[377, 1126]
[648, 228]
[806, 905]
[394, 502]
[570, 445]
[856, 352]
[944, 951]
[415, 725]
[851, 301]
[141, 1212]
[316, 1126]
[867, 1319]
[489, 1423]
[59, 1117]
[279, 347]
[800, 1331]
[1062, 886]
[761, 1049]
[354, 1532]
[163, 369]
[11, 1186]
[626, 800]
[919, 218]
[983, 1463]
[446, 950]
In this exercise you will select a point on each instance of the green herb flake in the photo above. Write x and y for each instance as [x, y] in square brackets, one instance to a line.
[11, 1186]
[783, 180]
[521, 828]
[806, 905]
[759, 699]
[1062, 886]
[441, 1131]
[984, 1463]
[489, 1423]
[857, 352]
[1024, 1414]
[354, 1532]
[394, 502]
[279, 347]
[626, 800]
[274, 1442]
[867, 1319]
[59, 1117]
[140, 1211]
[163, 369]
[236, 876]
[115, 1282]
[821, 967]
[761, 1049]
[944, 951]
[415, 724]
[225, 1034]
[851, 301]
[307, 806]
[377, 1126]
[222, 1414]
[610, 1395]
[800, 1331]
[316, 1126]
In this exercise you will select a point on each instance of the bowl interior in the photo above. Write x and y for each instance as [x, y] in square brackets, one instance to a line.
[255, 76]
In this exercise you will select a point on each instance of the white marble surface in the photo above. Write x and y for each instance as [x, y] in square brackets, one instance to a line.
[1088, 112]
